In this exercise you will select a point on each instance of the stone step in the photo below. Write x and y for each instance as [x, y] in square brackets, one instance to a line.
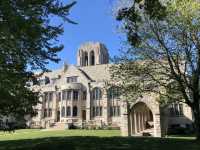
[146, 132]
[58, 126]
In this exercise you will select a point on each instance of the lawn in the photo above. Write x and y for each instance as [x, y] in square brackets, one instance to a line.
[89, 140]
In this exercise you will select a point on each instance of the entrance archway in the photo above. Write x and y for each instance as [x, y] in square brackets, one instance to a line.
[141, 120]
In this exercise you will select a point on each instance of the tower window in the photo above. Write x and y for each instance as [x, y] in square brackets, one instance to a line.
[84, 95]
[85, 59]
[92, 58]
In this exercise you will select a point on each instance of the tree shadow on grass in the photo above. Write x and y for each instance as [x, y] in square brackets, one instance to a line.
[100, 143]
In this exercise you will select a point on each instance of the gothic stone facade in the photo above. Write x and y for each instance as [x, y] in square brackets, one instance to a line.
[80, 95]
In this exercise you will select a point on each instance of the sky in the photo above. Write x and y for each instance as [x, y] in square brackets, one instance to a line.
[95, 23]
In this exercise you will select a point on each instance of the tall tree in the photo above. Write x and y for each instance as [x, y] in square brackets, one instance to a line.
[28, 41]
[164, 52]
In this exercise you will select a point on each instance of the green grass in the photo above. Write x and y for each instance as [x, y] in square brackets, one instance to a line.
[89, 140]
[35, 134]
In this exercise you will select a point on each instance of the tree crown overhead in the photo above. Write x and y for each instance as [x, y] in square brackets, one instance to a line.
[28, 41]
[163, 56]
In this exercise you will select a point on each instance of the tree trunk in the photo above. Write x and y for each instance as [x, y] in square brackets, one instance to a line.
[196, 111]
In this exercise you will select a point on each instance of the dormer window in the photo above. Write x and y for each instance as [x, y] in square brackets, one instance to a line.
[72, 79]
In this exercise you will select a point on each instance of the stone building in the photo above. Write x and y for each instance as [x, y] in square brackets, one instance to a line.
[80, 95]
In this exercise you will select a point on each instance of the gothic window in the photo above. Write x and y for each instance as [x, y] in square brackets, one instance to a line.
[75, 95]
[75, 111]
[63, 112]
[114, 111]
[100, 111]
[86, 59]
[64, 94]
[45, 112]
[111, 111]
[97, 111]
[59, 96]
[72, 79]
[50, 96]
[84, 95]
[93, 111]
[96, 94]
[50, 112]
[68, 113]
[45, 97]
[92, 58]
[113, 93]
[69, 94]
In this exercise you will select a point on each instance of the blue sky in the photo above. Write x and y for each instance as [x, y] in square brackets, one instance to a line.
[95, 23]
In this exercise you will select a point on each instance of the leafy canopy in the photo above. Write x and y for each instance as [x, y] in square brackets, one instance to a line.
[28, 41]
[164, 49]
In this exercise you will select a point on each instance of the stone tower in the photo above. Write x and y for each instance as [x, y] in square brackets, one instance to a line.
[90, 54]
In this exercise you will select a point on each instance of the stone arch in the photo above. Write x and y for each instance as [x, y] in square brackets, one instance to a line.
[92, 58]
[141, 119]
[144, 117]
[150, 101]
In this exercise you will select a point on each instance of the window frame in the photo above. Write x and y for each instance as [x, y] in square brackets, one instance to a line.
[97, 93]
[75, 111]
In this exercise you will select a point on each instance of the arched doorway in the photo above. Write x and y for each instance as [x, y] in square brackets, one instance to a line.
[141, 120]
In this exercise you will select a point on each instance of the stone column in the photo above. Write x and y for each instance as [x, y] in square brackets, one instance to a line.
[125, 125]
[138, 122]
[141, 123]
[71, 101]
[54, 105]
[40, 113]
[61, 101]
[131, 122]
[157, 129]
[105, 106]
[135, 122]
[88, 101]
[144, 114]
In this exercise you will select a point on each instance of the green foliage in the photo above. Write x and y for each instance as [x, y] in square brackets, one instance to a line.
[28, 41]
[164, 50]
